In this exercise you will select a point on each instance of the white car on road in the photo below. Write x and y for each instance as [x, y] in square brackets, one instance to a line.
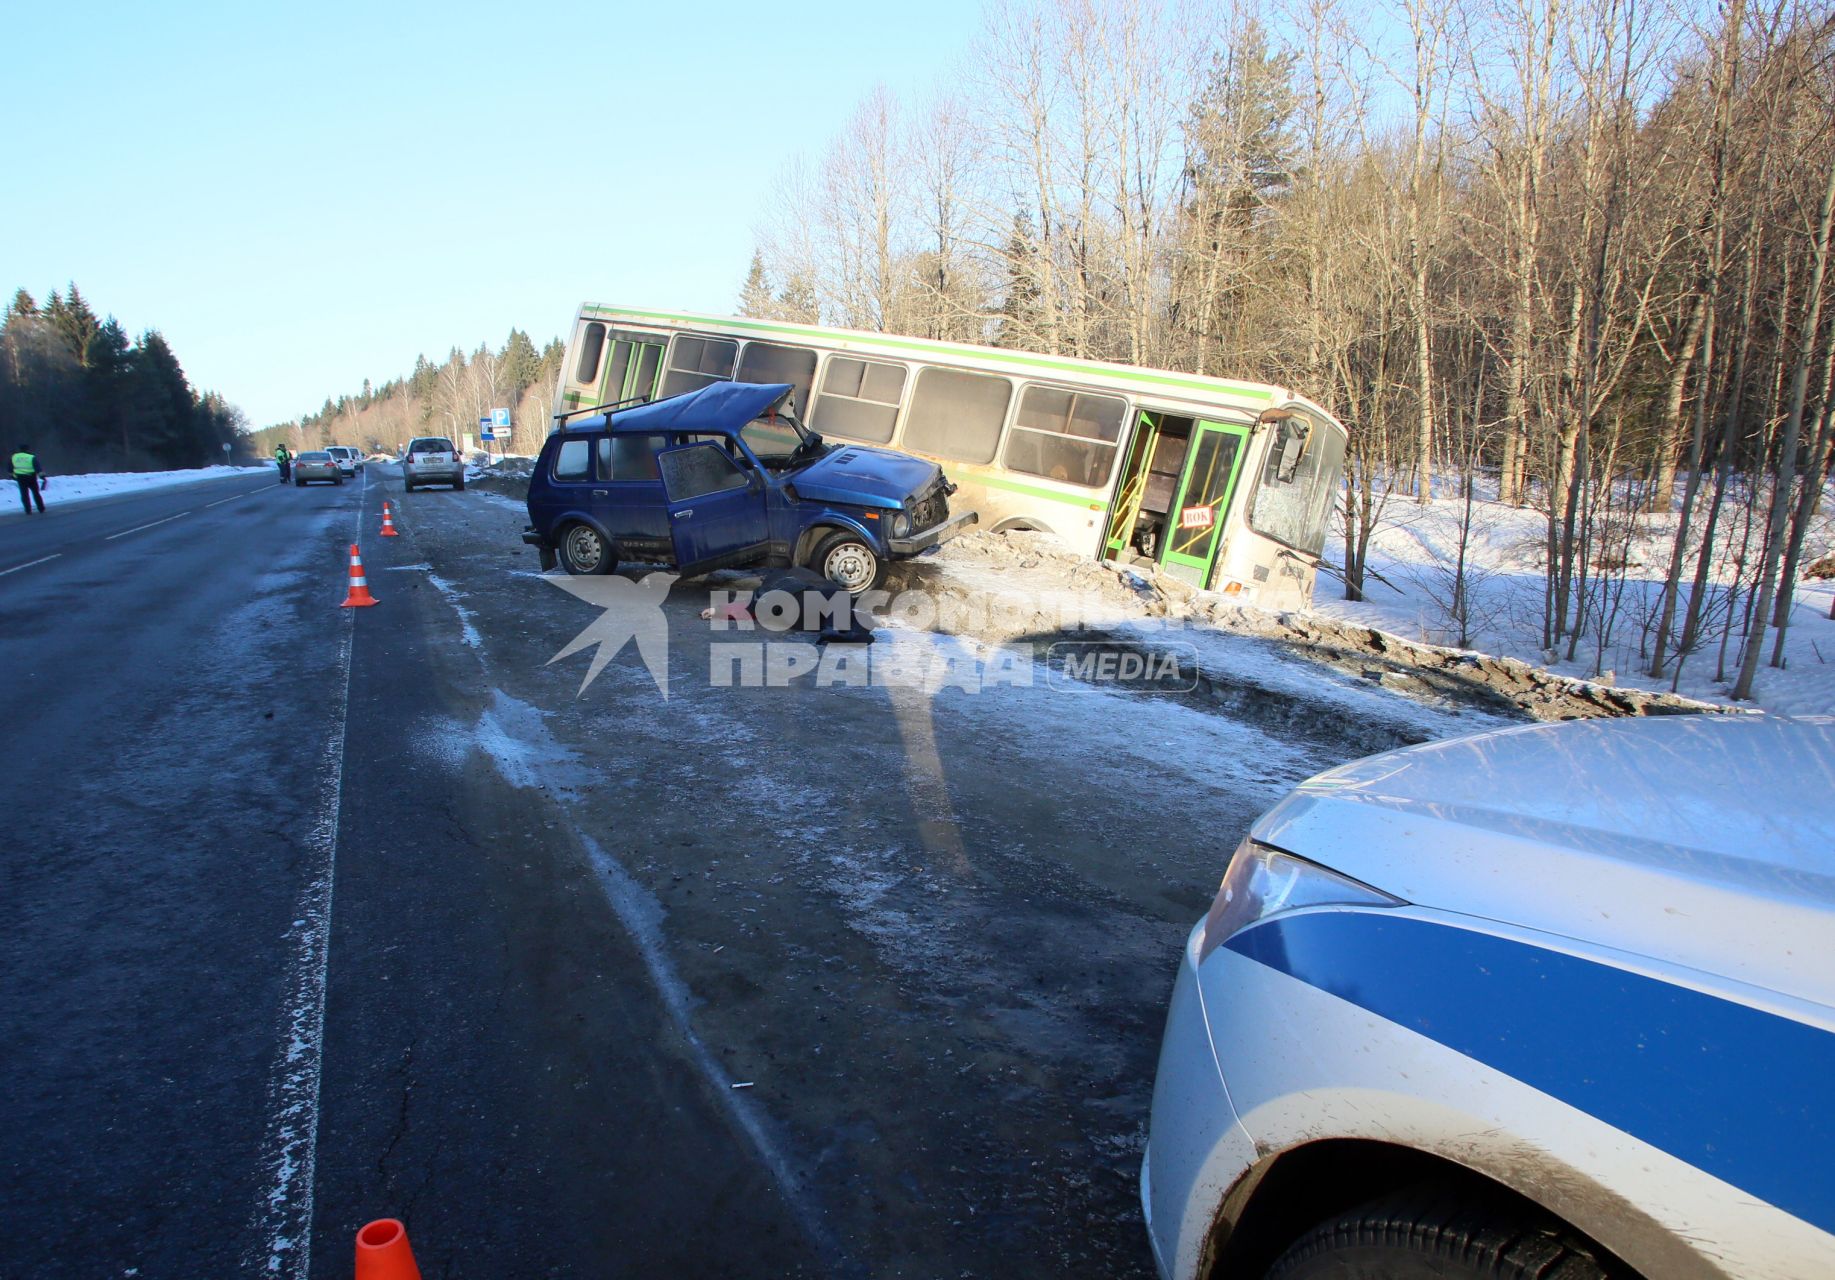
[1555, 1002]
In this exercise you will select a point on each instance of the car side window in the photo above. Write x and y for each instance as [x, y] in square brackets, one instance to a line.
[629, 457]
[698, 470]
[574, 461]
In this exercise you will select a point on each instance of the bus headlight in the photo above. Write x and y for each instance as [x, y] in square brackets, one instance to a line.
[1263, 881]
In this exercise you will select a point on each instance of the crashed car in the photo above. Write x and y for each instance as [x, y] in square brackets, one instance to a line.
[726, 477]
[1554, 1002]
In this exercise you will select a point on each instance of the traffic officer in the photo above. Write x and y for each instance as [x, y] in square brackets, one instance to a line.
[282, 459]
[25, 471]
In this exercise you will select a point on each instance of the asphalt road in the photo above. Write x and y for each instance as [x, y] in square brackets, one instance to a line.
[312, 916]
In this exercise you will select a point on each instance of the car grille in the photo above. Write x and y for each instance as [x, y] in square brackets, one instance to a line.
[930, 510]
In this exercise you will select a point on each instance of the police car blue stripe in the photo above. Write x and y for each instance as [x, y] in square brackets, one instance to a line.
[1738, 1092]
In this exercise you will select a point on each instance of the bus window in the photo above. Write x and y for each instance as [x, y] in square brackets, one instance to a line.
[592, 345]
[615, 370]
[1298, 482]
[697, 362]
[1065, 435]
[649, 356]
[859, 399]
[768, 362]
[957, 415]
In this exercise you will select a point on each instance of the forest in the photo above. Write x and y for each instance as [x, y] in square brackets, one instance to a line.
[445, 399]
[85, 397]
[1566, 256]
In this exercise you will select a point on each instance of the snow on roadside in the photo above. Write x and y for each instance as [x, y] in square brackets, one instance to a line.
[1416, 548]
[81, 488]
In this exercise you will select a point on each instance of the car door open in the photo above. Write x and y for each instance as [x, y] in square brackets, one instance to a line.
[716, 507]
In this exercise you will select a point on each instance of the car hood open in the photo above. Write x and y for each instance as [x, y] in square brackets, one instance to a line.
[863, 476]
[1706, 841]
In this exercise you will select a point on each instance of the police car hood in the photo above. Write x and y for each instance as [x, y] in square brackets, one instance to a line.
[1706, 841]
[865, 476]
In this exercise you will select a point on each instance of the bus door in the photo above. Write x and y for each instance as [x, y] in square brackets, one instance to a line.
[1128, 497]
[1195, 524]
[633, 367]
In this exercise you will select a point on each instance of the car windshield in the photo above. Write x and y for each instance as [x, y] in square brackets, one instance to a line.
[777, 437]
[317, 455]
[432, 446]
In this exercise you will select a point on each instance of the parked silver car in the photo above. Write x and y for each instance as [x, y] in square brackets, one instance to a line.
[432, 460]
[316, 464]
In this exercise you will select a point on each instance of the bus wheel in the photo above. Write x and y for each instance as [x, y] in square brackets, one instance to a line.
[849, 560]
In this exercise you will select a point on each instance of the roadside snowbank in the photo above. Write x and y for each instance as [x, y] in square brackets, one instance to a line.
[102, 484]
[1416, 551]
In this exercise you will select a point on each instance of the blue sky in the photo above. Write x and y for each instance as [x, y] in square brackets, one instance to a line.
[304, 196]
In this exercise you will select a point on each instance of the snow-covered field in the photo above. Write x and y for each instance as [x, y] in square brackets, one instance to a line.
[80, 488]
[1416, 549]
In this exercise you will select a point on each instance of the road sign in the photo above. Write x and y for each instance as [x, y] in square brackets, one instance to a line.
[484, 429]
[500, 419]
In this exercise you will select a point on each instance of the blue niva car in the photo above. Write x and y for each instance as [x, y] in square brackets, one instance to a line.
[727, 477]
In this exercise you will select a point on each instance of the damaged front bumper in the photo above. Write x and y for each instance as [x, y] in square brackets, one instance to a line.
[936, 534]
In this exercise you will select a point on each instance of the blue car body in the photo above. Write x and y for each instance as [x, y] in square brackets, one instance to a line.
[690, 482]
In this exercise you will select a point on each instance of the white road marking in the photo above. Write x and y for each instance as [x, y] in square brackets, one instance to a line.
[28, 564]
[233, 497]
[289, 1144]
[137, 528]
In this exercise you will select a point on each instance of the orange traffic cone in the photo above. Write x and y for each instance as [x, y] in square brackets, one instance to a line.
[383, 1252]
[359, 585]
[388, 523]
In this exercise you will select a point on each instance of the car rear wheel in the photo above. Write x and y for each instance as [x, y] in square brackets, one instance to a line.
[848, 560]
[584, 553]
[299, 484]
[459, 484]
[1437, 1233]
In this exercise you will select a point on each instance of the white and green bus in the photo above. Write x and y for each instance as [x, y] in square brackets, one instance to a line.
[1227, 485]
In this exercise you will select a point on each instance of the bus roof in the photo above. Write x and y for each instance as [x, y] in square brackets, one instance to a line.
[1122, 376]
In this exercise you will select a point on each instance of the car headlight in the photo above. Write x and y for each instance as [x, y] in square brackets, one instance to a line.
[1263, 881]
[901, 524]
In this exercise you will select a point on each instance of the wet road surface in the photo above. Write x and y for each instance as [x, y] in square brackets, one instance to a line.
[318, 915]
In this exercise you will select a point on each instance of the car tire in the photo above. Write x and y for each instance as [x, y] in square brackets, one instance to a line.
[299, 484]
[459, 485]
[337, 480]
[1439, 1233]
[584, 552]
[407, 486]
[848, 559]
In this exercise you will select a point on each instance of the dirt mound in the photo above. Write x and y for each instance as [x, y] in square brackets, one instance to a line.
[1036, 573]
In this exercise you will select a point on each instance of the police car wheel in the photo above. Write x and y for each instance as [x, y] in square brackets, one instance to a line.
[846, 558]
[1439, 1234]
[584, 553]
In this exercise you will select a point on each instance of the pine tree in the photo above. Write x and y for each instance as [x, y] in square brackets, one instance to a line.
[755, 298]
[796, 301]
[521, 364]
[1020, 314]
[72, 320]
[108, 391]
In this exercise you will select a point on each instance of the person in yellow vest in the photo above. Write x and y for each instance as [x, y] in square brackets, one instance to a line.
[25, 471]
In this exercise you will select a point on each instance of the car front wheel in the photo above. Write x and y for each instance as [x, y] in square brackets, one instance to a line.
[584, 553]
[1433, 1233]
[848, 560]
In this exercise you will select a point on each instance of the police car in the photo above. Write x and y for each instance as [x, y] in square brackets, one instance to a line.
[1552, 1002]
